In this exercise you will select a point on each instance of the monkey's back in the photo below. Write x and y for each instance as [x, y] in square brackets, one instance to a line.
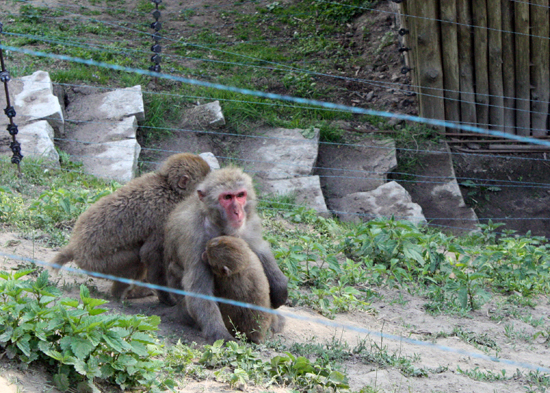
[125, 217]
[249, 285]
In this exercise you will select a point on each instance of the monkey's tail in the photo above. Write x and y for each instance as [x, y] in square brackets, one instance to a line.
[63, 256]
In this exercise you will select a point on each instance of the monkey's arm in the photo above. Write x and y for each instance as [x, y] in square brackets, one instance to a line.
[206, 313]
[278, 282]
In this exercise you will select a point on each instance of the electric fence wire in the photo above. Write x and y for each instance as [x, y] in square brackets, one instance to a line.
[255, 163]
[396, 85]
[325, 322]
[292, 206]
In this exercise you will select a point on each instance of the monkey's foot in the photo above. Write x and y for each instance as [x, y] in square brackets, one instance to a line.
[139, 292]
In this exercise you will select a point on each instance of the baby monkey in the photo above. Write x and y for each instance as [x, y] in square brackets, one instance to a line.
[239, 275]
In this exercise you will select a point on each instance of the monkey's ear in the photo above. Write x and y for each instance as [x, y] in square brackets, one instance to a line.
[204, 257]
[226, 271]
[182, 182]
[201, 194]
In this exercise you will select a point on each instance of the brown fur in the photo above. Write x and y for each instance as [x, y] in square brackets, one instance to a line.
[239, 275]
[191, 225]
[123, 233]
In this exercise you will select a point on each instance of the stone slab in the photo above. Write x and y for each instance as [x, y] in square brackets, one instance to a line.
[437, 191]
[359, 167]
[108, 130]
[283, 154]
[306, 189]
[115, 104]
[211, 159]
[388, 200]
[204, 116]
[37, 141]
[111, 160]
[33, 99]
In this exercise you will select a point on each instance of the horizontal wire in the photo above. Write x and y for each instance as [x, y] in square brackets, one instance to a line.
[274, 96]
[366, 81]
[319, 321]
[360, 215]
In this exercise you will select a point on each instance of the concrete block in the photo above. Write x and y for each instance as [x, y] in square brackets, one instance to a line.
[211, 160]
[37, 141]
[286, 154]
[204, 116]
[35, 101]
[387, 200]
[307, 190]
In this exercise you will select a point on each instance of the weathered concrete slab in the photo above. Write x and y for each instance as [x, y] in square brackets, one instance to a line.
[347, 169]
[37, 141]
[33, 100]
[438, 193]
[116, 104]
[387, 200]
[307, 190]
[36, 101]
[108, 150]
[101, 131]
[211, 160]
[110, 160]
[204, 116]
[108, 130]
[285, 153]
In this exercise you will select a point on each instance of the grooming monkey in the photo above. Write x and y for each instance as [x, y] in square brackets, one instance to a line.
[123, 233]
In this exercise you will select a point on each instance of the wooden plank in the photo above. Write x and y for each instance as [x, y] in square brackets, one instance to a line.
[430, 69]
[540, 71]
[465, 63]
[409, 22]
[523, 93]
[508, 66]
[496, 88]
[481, 71]
[451, 79]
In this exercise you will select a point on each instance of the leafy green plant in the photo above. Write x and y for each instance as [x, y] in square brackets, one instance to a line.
[245, 365]
[76, 337]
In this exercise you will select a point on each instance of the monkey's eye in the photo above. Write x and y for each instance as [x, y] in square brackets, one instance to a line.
[241, 194]
[227, 197]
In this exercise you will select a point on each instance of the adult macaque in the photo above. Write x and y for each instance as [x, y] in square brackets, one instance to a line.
[122, 234]
[224, 204]
[239, 275]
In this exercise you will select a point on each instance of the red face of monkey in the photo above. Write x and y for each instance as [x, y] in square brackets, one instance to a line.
[233, 204]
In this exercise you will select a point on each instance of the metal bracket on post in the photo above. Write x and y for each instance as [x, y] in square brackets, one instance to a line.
[156, 48]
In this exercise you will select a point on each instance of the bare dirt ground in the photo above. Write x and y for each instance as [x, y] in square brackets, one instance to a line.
[396, 313]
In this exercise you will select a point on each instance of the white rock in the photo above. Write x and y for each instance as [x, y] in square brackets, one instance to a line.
[123, 102]
[307, 190]
[36, 101]
[388, 200]
[36, 141]
[211, 160]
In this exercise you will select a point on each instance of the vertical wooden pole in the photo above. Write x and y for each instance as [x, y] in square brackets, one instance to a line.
[523, 80]
[409, 13]
[479, 19]
[451, 79]
[508, 66]
[540, 58]
[496, 89]
[430, 70]
[465, 63]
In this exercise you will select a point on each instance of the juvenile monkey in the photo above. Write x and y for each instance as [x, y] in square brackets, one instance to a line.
[123, 233]
[239, 275]
[224, 204]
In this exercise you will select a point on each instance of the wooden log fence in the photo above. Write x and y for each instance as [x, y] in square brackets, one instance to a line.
[480, 62]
